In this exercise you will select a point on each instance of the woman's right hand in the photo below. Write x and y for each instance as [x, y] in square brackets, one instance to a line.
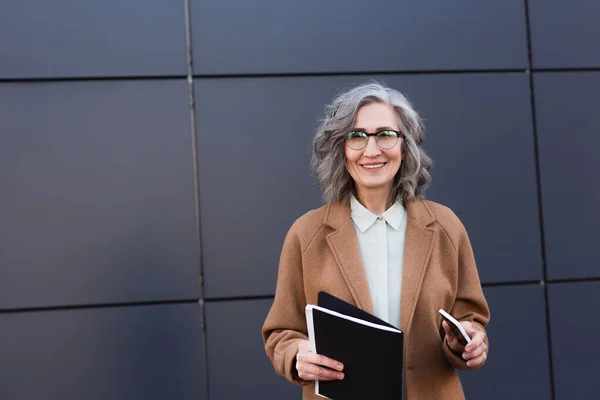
[313, 367]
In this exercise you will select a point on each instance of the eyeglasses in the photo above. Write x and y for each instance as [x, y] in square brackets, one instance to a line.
[386, 139]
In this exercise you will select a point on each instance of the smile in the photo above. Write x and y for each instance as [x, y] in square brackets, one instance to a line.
[373, 166]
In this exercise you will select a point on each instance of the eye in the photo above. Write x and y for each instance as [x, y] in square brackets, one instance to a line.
[387, 139]
[356, 135]
[387, 134]
[356, 140]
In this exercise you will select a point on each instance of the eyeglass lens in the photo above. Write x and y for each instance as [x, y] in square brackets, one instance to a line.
[385, 139]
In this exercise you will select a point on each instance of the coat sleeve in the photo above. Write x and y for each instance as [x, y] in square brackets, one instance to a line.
[470, 303]
[285, 325]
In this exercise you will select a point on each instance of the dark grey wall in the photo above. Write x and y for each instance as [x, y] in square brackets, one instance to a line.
[144, 201]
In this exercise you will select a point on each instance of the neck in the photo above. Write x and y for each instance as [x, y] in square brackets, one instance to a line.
[374, 200]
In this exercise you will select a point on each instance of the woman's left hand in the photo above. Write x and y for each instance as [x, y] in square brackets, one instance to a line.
[475, 352]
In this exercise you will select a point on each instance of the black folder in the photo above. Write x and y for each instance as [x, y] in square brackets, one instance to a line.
[369, 348]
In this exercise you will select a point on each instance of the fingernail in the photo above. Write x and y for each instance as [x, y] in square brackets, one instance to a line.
[340, 366]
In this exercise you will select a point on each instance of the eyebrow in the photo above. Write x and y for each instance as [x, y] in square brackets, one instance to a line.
[381, 128]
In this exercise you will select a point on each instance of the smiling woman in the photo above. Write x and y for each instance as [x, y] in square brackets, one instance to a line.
[375, 244]
[345, 117]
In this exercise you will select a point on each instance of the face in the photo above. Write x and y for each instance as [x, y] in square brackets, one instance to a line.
[372, 167]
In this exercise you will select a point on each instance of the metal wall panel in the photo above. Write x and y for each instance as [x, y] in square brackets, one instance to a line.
[97, 200]
[479, 133]
[83, 38]
[564, 34]
[517, 367]
[236, 353]
[271, 36]
[575, 328]
[254, 138]
[568, 120]
[149, 352]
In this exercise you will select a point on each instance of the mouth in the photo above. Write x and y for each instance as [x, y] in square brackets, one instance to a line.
[373, 166]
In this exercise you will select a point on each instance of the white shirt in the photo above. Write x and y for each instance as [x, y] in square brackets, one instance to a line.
[381, 242]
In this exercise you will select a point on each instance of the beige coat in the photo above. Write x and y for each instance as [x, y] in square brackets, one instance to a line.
[321, 252]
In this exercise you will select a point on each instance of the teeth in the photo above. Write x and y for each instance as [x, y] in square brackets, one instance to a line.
[373, 166]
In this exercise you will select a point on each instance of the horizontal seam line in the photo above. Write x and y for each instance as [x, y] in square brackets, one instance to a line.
[512, 283]
[94, 78]
[258, 75]
[356, 73]
[96, 306]
[239, 298]
[292, 74]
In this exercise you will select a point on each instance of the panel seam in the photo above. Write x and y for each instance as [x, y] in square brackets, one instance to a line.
[529, 72]
[193, 132]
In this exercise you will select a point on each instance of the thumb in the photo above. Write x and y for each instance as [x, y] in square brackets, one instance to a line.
[304, 347]
[450, 337]
[448, 331]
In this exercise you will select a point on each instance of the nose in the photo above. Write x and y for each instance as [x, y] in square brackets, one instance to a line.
[372, 148]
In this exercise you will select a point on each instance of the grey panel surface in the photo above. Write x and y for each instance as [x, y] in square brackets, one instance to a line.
[568, 136]
[271, 36]
[575, 328]
[254, 140]
[74, 38]
[149, 352]
[236, 349]
[97, 201]
[480, 135]
[254, 178]
[517, 367]
[565, 33]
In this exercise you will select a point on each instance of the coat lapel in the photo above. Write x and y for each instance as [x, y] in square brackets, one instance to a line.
[344, 246]
[417, 251]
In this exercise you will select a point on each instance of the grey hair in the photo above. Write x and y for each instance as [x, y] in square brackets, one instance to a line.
[328, 157]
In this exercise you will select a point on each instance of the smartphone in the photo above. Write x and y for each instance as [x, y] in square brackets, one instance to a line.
[456, 327]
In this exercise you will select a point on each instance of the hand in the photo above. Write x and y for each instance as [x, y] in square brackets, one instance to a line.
[475, 352]
[312, 367]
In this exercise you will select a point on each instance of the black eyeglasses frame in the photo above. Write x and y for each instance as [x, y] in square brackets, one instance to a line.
[399, 135]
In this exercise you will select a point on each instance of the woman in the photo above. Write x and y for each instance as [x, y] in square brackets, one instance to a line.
[379, 245]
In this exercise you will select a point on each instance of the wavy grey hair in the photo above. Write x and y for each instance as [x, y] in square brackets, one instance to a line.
[328, 157]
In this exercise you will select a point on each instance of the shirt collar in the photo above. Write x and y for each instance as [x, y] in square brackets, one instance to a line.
[364, 219]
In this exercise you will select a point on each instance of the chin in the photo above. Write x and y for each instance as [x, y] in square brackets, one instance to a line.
[376, 184]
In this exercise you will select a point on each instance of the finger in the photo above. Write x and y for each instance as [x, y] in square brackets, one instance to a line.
[312, 377]
[319, 372]
[320, 359]
[307, 377]
[467, 355]
[476, 340]
[477, 361]
[467, 325]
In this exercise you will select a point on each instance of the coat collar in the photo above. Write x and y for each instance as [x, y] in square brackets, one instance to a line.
[364, 219]
[338, 214]
[417, 250]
